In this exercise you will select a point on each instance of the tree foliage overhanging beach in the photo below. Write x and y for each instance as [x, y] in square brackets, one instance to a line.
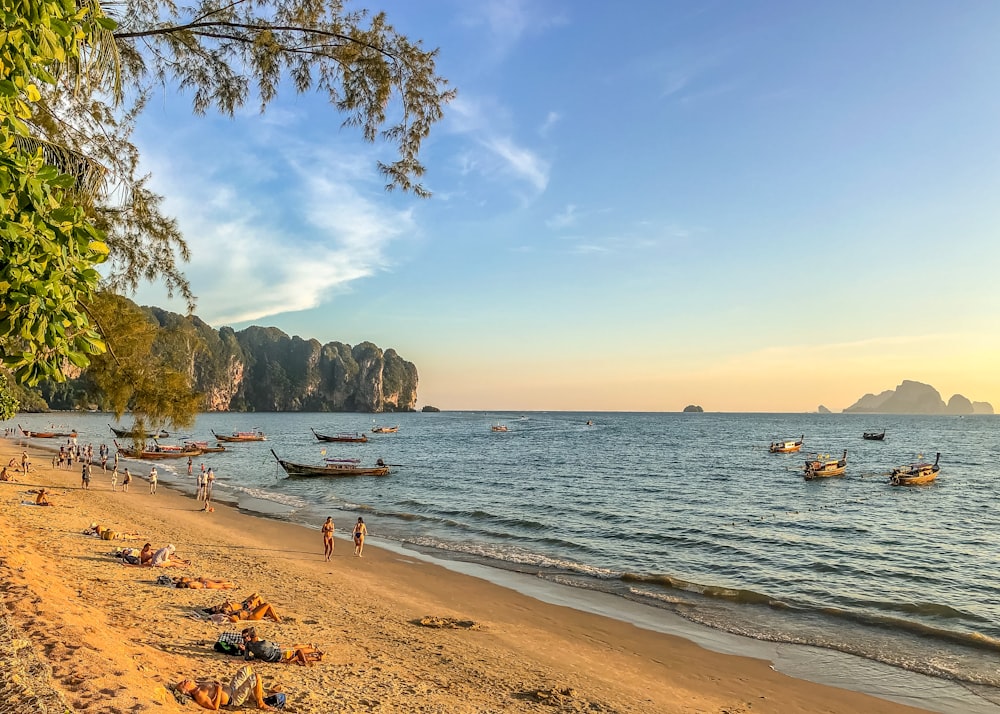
[74, 80]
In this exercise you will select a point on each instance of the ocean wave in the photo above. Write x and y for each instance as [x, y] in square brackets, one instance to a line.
[512, 555]
[263, 495]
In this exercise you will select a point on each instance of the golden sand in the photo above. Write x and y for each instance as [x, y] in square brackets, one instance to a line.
[399, 635]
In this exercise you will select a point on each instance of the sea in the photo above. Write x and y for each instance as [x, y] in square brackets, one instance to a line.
[681, 522]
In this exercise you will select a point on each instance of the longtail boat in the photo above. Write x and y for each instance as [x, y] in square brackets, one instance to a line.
[47, 434]
[332, 467]
[825, 467]
[257, 435]
[160, 451]
[385, 429]
[874, 435]
[346, 438]
[132, 433]
[204, 448]
[915, 474]
[786, 447]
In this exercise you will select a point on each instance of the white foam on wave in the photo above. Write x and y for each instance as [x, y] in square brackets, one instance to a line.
[655, 596]
[515, 555]
[263, 495]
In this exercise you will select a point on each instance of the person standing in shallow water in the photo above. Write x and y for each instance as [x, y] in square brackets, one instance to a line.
[327, 537]
[360, 531]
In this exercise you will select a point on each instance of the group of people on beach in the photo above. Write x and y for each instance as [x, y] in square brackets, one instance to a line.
[357, 535]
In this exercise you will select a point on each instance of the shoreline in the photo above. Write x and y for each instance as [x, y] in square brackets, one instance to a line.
[524, 653]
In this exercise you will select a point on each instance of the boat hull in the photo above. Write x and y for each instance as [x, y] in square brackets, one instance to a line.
[917, 479]
[298, 470]
[239, 437]
[156, 455]
[341, 438]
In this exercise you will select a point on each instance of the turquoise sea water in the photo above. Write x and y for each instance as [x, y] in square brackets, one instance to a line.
[683, 512]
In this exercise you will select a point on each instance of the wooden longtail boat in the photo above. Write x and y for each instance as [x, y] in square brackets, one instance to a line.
[204, 448]
[825, 467]
[332, 467]
[786, 447]
[915, 474]
[384, 429]
[158, 452]
[131, 433]
[47, 434]
[257, 435]
[874, 435]
[352, 438]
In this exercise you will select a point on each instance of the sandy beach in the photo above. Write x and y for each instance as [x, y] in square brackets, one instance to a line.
[399, 634]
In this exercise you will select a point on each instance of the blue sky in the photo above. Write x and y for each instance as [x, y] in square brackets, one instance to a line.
[749, 206]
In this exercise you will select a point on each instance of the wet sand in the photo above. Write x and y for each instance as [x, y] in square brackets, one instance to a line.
[400, 634]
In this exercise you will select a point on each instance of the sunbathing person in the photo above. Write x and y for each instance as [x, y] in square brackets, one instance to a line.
[204, 583]
[40, 499]
[161, 558]
[146, 554]
[6, 475]
[268, 651]
[213, 695]
[253, 608]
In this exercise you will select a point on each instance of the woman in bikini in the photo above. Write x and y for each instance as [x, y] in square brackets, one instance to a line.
[253, 608]
[328, 537]
[360, 531]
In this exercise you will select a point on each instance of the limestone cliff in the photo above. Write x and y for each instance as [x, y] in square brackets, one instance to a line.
[916, 398]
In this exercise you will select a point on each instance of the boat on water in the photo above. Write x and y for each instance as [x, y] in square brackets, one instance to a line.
[385, 429]
[132, 433]
[332, 467]
[257, 435]
[344, 438]
[47, 434]
[825, 467]
[915, 474]
[204, 448]
[786, 447]
[874, 435]
[499, 427]
[159, 451]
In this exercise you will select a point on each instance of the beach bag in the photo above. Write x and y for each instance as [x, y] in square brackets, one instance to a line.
[228, 648]
[276, 700]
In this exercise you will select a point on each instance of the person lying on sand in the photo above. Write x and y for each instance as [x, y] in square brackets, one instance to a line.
[204, 583]
[213, 695]
[268, 651]
[162, 558]
[253, 608]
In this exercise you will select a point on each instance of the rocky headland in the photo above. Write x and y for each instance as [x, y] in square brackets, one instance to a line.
[916, 398]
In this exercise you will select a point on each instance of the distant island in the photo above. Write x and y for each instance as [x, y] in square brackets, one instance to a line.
[916, 398]
[693, 408]
[824, 410]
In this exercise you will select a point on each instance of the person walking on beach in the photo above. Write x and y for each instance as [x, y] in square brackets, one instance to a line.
[360, 531]
[85, 475]
[209, 483]
[190, 465]
[114, 480]
[201, 486]
[152, 480]
[327, 537]
[126, 480]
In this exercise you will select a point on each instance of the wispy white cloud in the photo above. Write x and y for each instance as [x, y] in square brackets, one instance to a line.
[520, 161]
[507, 21]
[564, 219]
[551, 119]
[502, 156]
[262, 247]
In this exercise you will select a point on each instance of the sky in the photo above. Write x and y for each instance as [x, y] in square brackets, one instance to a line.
[749, 206]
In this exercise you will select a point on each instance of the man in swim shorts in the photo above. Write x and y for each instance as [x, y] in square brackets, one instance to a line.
[215, 695]
[268, 651]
